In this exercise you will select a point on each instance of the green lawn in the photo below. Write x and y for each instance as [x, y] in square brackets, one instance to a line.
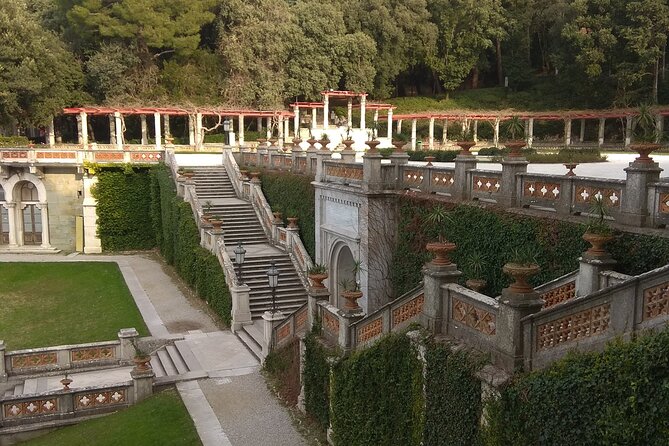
[160, 420]
[46, 304]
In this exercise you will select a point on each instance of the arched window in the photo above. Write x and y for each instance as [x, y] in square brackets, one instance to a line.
[29, 192]
[2, 194]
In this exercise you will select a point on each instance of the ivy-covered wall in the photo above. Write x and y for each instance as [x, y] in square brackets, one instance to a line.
[316, 377]
[124, 200]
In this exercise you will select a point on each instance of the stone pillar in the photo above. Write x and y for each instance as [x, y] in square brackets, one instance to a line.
[51, 134]
[509, 193]
[118, 123]
[126, 337]
[241, 311]
[363, 110]
[92, 243]
[296, 121]
[268, 132]
[376, 120]
[399, 126]
[286, 130]
[326, 111]
[628, 130]
[589, 268]
[259, 124]
[444, 132]
[3, 371]
[145, 131]
[44, 211]
[582, 134]
[157, 130]
[600, 134]
[112, 130]
[434, 276]
[567, 132]
[142, 381]
[166, 126]
[463, 163]
[82, 129]
[270, 320]
[349, 112]
[659, 126]
[371, 171]
[346, 318]
[314, 116]
[634, 207]
[495, 136]
[191, 131]
[431, 134]
[475, 131]
[240, 130]
[321, 156]
[199, 131]
[389, 133]
[11, 216]
[513, 307]
[280, 129]
[530, 132]
[314, 296]
[413, 134]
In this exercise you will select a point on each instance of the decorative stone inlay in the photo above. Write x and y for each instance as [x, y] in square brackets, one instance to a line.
[34, 360]
[288, 162]
[331, 322]
[249, 158]
[442, 180]
[408, 310]
[277, 161]
[108, 156]
[301, 320]
[370, 330]
[302, 163]
[664, 204]
[473, 317]
[591, 322]
[18, 154]
[413, 177]
[283, 331]
[92, 354]
[282, 236]
[485, 184]
[541, 189]
[95, 399]
[145, 156]
[348, 172]
[611, 197]
[265, 159]
[656, 301]
[56, 155]
[30, 408]
[560, 294]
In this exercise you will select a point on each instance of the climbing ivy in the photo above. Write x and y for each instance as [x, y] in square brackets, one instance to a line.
[283, 366]
[123, 202]
[617, 397]
[316, 377]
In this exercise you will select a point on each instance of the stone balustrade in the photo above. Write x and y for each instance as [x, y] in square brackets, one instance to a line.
[469, 316]
[294, 325]
[77, 156]
[559, 290]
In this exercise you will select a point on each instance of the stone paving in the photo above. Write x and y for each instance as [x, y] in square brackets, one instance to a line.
[233, 405]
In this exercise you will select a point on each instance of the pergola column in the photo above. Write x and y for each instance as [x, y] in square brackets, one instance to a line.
[296, 121]
[413, 134]
[582, 135]
[51, 134]
[118, 123]
[399, 126]
[326, 111]
[82, 129]
[240, 132]
[268, 132]
[157, 130]
[475, 131]
[390, 124]
[286, 130]
[659, 126]
[444, 132]
[166, 126]
[314, 116]
[280, 131]
[431, 134]
[112, 129]
[259, 124]
[199, 131]
[191, 131]
[495, 135]
[628, 131]
[363, 105]
[349, 110]
[376, 121]
[145, 130]
[529, 132]
[567, 132]
[600, 133]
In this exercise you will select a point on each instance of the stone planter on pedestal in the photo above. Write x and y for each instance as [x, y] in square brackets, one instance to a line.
[597, 242]
[317, 280]
[351, 302]
[440, 251]
[571, 167]
[372, 146]
[476, 284]
[465, 146]
[515, 147]
[292, 222]
[520, 274]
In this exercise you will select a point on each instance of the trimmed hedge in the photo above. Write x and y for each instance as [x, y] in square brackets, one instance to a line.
[283, 365]
[124, 200]
[442, 156]
[316, 376]
[618, 397]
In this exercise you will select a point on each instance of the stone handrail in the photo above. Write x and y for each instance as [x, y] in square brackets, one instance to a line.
[470, 316]
[294, 325]
[234, 173]
[485, 185]
[427, 179]
[329, 318]
[587, 323]
[393, 316]
[658, 195]
[559, 290]
[47, 156]
[342, 173]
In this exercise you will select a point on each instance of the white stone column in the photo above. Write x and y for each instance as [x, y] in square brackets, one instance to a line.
[191, 131]
[376, 121]
[118, 122]
[199, 131]
[495, 135]
[157, 130]
[475, 131]
[349, 110]
[268, 127]
[444, 134]
[145, 130]
[240, 131]
[431, 129]
[363, 110]
[51, 134]
[390, 125]
[600, 133]
[82, 124]
[413, 134]
[286, 130]
[314, 116]
[326, 111]
[567, 132]
[11, 216]
[529, 136]
[112, 130]
[44, 210]
[659, 126]
[582, 134]
[399, 126]
[280, 131]
[628, 131]
[259, 124]
[166, 126]
[296, 121]
[92, 243]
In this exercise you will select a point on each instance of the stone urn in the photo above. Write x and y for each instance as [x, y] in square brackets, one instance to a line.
[351, 302]
[597, 242]
[476, 284]
[520, 273]
[292, 222]
[348, 143]
[312, 142]
[324, 143]
[244, 175]
[255, 177]
[66, 383]
[440, 251]
[465, 146]
[571, 167]
[429, 160]
[188, 175]
[317, 279]
[142, 363]
[644, 150]
[372, 146]
[296, 144]
[277, 218]
[261, 142]
[216, 224]
[273, 140]
[399, 146]
[515, 147]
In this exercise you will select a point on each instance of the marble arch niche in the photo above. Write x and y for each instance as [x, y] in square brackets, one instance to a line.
[26, 203]
[343, 261]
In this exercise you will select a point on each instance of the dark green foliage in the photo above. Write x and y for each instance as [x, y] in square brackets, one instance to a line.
[316, 376]
[453, 398]
[283, 366]
[419, 155]
[14, 141]
[377, 395]
[616, 397]
[293, 196]
[123, 209]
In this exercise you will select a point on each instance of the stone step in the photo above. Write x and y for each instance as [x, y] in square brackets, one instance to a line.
[166, 361]
[188, 356]
[176, 358]
[250, 342]
[157, 366]
[30, 386]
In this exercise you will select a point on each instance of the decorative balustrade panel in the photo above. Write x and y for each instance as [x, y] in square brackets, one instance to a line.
[89, 354]
[100, 398]
[585, 191]
[412, 177]
[408, 311]
[584, 324]
[560, 294]
[441, 180]
[369, 331]
[56, 155]
[146, 157]
[472, 316]
[656, 301]
[30, 408]
[541, 191]
[13, 155]
[486, 185]
[33, 360]
[341, 172]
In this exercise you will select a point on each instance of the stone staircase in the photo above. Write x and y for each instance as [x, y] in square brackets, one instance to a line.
[212, 183]
[175, 362]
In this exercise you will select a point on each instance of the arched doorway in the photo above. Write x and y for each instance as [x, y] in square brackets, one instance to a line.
[344, 271]
[27, 197]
